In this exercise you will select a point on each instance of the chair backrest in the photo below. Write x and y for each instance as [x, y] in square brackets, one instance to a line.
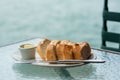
[106, 35]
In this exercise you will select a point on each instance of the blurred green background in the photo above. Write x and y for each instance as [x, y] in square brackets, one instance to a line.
[76, 20]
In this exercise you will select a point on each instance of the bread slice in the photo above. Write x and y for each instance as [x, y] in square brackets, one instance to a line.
[80, 51]
[85, 50]
[68, 55]
[64, 51]
[60, 51]
[76, 51]
[64, 41]
[50, 53]
[41, 48]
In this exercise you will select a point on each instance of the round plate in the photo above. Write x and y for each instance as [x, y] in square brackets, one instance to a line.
[37, 61]
[17, 57]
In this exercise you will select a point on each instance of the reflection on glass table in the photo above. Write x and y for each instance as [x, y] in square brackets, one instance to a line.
[9, 70]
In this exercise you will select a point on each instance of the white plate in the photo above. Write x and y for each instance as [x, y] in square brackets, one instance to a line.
[37, 61]
[17, 57]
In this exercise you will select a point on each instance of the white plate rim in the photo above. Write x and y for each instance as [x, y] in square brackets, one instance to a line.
[16, 56]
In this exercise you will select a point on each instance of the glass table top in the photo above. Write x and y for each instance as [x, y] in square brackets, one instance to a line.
[9, 70]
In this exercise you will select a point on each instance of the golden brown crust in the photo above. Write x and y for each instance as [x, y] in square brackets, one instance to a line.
[40, 52]
[63, 50]
[60, 51]
[81, 51]
[76, 52]
[55, 42]
[50, 53]
[85, 50]
[64, 41]
[51, 50]
[41, 48]
[67, 55]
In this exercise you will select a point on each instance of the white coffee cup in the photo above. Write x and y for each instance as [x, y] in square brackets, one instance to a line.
[27, 51]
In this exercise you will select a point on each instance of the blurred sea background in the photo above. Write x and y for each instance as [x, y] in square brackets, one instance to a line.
[75, 20]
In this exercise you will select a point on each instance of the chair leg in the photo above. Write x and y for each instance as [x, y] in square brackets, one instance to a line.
[119, 46]
[104, 43]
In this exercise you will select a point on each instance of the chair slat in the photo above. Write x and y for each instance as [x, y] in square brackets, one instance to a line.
[112, 16]
[112, 37]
